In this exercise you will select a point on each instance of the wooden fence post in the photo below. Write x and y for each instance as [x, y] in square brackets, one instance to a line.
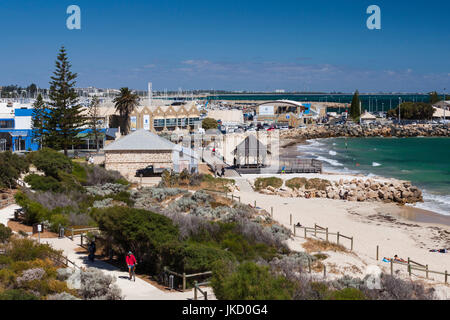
[351, 244]
[290, 219]
[255, 203]
[446, 275]
[271, 212]
[309, 265]
[294, 230]
[426, 270]
[195, 290]
[206, 295]
[326, 232]
[324, 271]
[184, 281]
[72, 234]
[409, 269]
[81, 239]
[338, 237]
[392, 268]
[315, 230]
[377, 252]
[305, 232]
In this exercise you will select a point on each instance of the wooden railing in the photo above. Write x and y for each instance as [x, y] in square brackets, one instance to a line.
[322, 230]
[227, 194]
[414, 265]
[74, 232]
[197, 288]
[185, 276]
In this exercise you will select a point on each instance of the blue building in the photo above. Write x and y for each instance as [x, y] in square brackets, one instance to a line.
[15, 128]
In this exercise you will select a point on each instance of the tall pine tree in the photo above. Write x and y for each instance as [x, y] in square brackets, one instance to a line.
[64, 119]
[37, 124]
[354, 107]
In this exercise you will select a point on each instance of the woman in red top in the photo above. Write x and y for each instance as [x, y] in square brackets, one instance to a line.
[131, 262]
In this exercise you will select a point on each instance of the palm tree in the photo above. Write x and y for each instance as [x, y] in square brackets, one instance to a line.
[125, 104]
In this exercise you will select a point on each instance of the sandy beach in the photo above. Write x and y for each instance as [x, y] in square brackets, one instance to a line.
[405, 231]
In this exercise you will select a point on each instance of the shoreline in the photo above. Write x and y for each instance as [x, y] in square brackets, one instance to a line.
[289, 147]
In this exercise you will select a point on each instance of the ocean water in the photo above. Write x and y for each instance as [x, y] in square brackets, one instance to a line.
[425, 161]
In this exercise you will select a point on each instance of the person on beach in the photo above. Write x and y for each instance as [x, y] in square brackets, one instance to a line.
[131, 262]
[396, 258]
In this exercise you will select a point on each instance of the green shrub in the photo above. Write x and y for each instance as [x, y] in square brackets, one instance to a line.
[34, 211]
[5, 233]
[347, 294]
[318, 184]
[28, 250]
[141, 231]
[50, 162]
[11, 166]
[124, 196]
[261, 183]
[79, 172]
[249, 281]
[43, 183]
[296, 183]
[17, 294]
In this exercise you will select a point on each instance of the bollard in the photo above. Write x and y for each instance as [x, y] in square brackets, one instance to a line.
[377, 252]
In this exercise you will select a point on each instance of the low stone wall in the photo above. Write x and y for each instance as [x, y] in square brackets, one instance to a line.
[356, 190]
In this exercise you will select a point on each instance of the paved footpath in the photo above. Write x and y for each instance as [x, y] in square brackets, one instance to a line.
[138, 290]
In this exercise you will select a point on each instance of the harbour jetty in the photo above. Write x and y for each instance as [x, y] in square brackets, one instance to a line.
[367, 130]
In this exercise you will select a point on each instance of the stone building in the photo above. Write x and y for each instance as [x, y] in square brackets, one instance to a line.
[142, 148]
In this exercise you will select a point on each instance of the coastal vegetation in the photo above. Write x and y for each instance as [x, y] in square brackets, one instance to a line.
[11, 167]
[413, 111]
[355, 107]
[30, 271]
[262, 183]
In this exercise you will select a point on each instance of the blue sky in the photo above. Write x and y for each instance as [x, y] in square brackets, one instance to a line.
[231, 45]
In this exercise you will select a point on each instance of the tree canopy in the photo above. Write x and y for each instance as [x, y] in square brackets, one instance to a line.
[125, 104]
[354, 107]
[413, 111]
[64, 120]
[209, 123]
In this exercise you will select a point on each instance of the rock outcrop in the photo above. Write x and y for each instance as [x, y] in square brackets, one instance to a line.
[356, 190]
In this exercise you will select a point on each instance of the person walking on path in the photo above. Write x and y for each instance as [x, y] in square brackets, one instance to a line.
[131, 262]
[92, 249]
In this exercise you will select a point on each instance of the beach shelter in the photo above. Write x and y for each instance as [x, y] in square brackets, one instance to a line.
[367, 116]
[250, 153]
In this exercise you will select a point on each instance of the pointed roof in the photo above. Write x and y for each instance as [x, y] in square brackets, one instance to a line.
[367, 116]
[140, 140]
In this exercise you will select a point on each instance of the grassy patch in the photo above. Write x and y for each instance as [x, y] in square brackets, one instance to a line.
[261, 183]
[313, 245]
[296, 183]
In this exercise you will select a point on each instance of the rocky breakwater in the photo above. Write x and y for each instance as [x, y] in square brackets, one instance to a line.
[369, 130]
[352, 190]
